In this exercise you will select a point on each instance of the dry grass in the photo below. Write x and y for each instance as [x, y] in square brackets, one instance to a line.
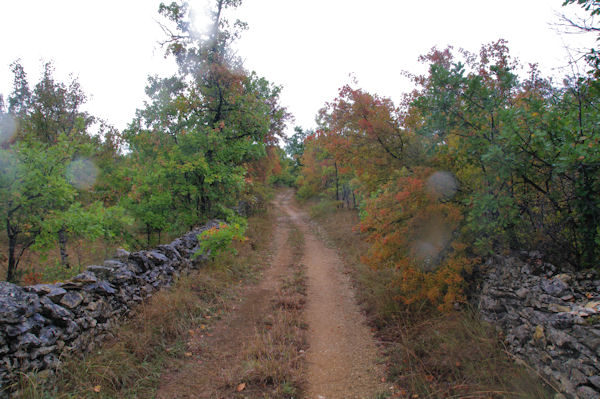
[44, 266]
[428, 355]
[274, 362]
[129, 366]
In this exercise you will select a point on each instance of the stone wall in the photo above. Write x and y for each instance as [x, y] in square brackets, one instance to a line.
[550, 320]
[39, 323]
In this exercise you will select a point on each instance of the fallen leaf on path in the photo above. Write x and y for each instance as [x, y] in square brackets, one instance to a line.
[241, 387]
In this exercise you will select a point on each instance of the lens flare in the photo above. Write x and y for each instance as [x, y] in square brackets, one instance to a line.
[82, 173]
[442, 185]
[8, 128]
[431, 240]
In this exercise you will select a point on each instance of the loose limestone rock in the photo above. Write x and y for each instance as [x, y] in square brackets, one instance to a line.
[550, 320]
[38, 323]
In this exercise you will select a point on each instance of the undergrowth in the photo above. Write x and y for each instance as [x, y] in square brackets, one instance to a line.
[274, 362]
[130, 365]
[429, 354]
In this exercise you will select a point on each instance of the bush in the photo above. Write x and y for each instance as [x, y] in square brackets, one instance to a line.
[219, 238]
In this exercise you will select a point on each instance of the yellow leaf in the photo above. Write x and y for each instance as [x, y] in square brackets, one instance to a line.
[97, 388]
[241, 387]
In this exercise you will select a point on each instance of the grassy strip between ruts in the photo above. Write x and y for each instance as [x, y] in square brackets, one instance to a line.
[428, 355]
[130, 365]
[274, 358]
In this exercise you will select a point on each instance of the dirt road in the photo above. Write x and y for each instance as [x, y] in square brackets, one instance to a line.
[341, 358]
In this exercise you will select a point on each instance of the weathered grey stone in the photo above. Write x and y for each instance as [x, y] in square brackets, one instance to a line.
[490, 304]
[101, 287]
[122, 275]
[103, 272]
[577, 377]
[71, 299]
[595, 381]
[13, 330]
[41, 322]
[51, 361]
[555, 287]
[560, 338]
[586, 392]
[554, 307]
[522, 292]
[72, 329]
[121, 254]
[52, 291]
[546, 321]
[16, 304]
[85, 278]
[55, 312]
[26, 341]
[49, 335]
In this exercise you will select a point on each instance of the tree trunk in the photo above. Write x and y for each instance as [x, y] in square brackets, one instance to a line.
[12, 263]
[337, 184]
[62, 245]
[12, 233]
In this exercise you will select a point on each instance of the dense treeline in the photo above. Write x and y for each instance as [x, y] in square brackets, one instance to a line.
[477, 159]
[204, 142]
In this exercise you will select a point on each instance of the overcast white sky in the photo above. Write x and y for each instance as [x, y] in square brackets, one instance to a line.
[309, 47]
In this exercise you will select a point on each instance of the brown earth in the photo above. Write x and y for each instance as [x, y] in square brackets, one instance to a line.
[342, 356]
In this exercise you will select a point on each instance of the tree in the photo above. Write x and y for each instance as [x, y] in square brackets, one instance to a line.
[588, 25]
[48, 168]
[203, 125]
[294, 145]
[32, 187]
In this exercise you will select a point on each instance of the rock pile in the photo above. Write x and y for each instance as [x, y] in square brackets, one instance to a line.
[38, 323]
[550, 320]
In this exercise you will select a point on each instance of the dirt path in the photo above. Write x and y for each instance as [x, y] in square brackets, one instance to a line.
[341, 359]
[342, 356]
[215, 368]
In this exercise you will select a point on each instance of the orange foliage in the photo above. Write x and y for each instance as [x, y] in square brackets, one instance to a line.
[415, 233]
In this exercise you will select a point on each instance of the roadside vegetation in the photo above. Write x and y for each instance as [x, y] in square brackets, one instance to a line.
[484, 156]
[160, 330]
[428, 354]
[275, 356]
[204, 144]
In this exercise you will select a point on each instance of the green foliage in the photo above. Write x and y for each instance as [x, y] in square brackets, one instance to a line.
[294, 145]
[205, 141]
[48, 169]
[522, 150]
[218, 239]
[195, 142]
